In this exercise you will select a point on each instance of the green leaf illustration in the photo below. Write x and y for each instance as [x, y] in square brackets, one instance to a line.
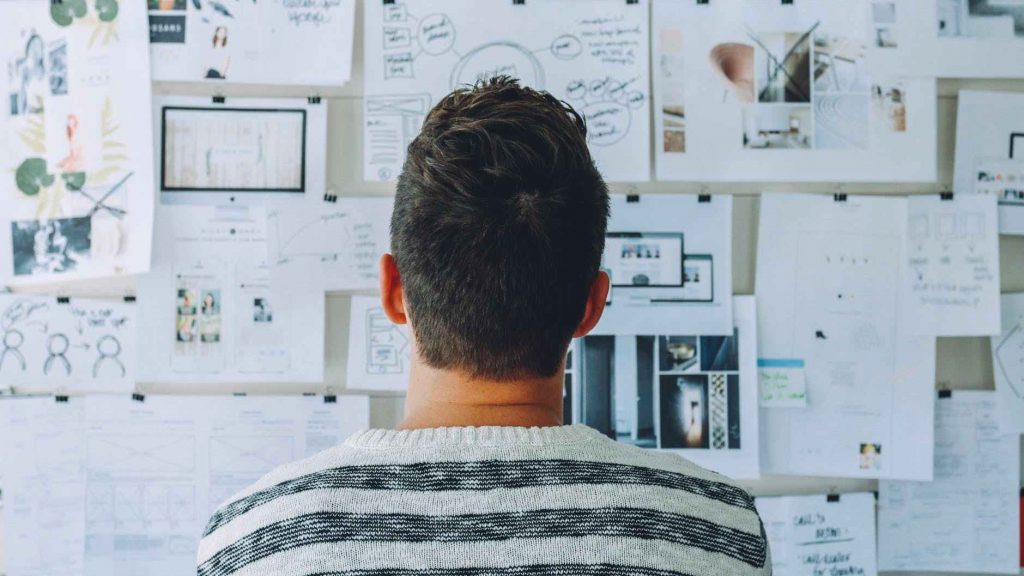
[74, 180]
[107, 10]
[63, 12]
[31, 176]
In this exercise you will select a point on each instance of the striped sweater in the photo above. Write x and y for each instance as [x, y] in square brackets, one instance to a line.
[560, 501]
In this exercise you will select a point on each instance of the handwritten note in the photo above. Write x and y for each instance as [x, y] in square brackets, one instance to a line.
[783, 383]
[953, 265]
[820, 535]
[966, 519]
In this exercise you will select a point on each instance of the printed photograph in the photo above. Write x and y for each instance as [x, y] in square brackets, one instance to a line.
[684, 411]
[719, 354]
[618, 398]
[677, 354]
[883, 17]
[888, 108]
[981, 18]
[209, 316]
[27, 77]
[782, 67]
[261, 312]
[50, 246]
[185, 323]
[777, 127]
[58, 61]
[870, 456]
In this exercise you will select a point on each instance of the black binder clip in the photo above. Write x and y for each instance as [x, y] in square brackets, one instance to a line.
[945, 393]
[239, 394]
[787, 2]
[332, 198]
[63, 299]
[519, 2]
[632, 2]
[702, 2]
[704, 199]
[839, 197]
[138, 397]
[330, 399]
[632, 198]
[218, 99]
[60, 399]
[387, 2]
[129, 299]
[946, 196]
[832, 498]
[313, 100]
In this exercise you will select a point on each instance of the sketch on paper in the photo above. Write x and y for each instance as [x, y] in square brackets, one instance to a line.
[343, 240]
[1008, 363]
[378, 350]
[80, 344]
[76, 193]
[253, 42]
[593, 58]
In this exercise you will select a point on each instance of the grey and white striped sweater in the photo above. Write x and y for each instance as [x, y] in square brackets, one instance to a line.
[562, 501]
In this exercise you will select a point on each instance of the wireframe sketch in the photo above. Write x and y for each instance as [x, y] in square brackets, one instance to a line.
[171, 454]
[418, 52]
[49, 344]
[252, 455]
[77, 151]
[378, 350]
[387, 347]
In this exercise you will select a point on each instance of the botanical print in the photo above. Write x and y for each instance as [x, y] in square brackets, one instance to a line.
[75, 177]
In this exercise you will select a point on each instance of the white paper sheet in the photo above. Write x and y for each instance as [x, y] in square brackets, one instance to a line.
[337, 244]
[990, 152]
[213, 311]
[590, 53]
[670, 263]
[239, 150]
[76, 167]
[750, 90]
[809, 535]
[42, 461]
[66, 345]
[953, 265]
[829, 278]
[968, 518]
[378, 350]
[695, 395]
[138, 480]
[1008, 364]
[221, 41]
[967, 39]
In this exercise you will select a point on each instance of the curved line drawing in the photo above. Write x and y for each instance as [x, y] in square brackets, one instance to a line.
[487, 51]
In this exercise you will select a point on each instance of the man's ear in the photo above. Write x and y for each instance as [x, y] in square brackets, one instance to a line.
[391, 296]
[595, 305]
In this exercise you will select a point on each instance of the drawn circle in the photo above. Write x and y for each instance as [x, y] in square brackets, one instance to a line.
[13, 339]
[498, 59]
[635, 99]
[607, 122]
[566, 47]
[436, 34]
[576, 90]
[57, 344]
[108, 346]
[384, 174]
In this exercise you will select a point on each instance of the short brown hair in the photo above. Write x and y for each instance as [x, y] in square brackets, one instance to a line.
[498, 230]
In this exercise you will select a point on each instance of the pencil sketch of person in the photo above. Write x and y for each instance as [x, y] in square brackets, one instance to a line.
[219, 54]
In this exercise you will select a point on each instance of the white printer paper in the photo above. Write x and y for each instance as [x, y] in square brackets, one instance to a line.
[968, 518]
[820, 535]
[229, 41]
[669, 258]
[66, 344]
[953, 265]
[591, 53]
[829, 278]
[966, 38]
[213, 311]
[334, 243]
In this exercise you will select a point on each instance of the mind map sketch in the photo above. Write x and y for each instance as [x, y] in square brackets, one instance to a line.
[592, 55]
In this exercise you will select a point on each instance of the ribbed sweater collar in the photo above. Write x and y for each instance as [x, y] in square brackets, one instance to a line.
[474, 436]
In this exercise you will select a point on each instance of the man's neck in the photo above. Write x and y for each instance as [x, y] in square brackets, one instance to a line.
[442, 398]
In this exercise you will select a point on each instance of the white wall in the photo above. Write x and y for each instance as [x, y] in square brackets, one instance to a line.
[963, 363]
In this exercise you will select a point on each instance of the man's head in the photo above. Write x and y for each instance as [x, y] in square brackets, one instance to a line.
[497, 234]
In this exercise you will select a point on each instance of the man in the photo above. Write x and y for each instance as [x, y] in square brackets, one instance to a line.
[497, 235]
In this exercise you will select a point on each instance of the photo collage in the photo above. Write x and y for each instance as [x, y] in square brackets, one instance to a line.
[663, 392]
[989, 19]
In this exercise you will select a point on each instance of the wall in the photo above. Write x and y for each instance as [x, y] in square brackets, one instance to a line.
[963, 363]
